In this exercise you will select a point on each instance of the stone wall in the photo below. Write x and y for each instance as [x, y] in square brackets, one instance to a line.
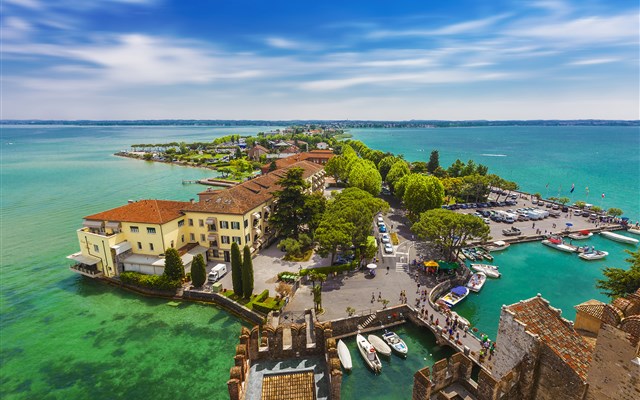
[615, 351]
[349, 325]
[226, 303]
[556, 379]
[456, 369]
[516, 345]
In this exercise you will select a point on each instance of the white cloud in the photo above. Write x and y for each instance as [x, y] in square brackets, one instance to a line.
[454, 29]
[15, 28]
[594, 61]
[281, 43]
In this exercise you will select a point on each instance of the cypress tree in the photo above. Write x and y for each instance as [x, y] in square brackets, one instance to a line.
[236, 269]
[247, 273]
[198, 271]
[173, 267]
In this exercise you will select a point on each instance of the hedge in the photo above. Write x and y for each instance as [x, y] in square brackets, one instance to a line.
[159, 282]
[288, 276]
[262, 296]
[328, 270]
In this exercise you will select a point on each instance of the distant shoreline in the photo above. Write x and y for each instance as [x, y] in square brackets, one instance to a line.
[330, 123]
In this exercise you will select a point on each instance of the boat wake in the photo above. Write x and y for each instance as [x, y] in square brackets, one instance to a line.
[493, 155]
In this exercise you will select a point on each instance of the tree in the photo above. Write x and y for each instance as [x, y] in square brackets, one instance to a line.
[419, 167]
[236, 269]
[332, 234]
[449, 230]
[337, 167]
[397, 171]
[384, 166]
[455, 170]
[580, 204]
[317, 297]
[364, 175]
[596, 209]
[198, 271]
[226, 171]
[183, 148]
[247, 273]
[563, 200]
[273, 166]
[618, 282]
[147, 156]
[422, 193]
[614, 212]
[173, 267]
[314, 208]
[288, 217]
[434, 162]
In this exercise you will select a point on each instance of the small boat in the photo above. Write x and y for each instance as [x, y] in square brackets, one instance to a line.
[593, 254]
[394, 341]
[619, 238]
[558, 244]
[583, 234]
[485, 254]
[635, 231]
[368, 353]
[344, 355]
[468, 254]
[491, 271]
[498, 245]
[513, 231]
[455, 296]
[476, 282]
[379, 344]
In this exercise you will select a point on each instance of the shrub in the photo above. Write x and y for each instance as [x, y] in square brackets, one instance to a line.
[159, 282]
[173, 267]
[328, 270]
[262, 296]
[198, 271]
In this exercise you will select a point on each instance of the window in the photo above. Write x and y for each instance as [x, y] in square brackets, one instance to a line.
[216, 254]
[225, 239]
[237, 239]
[151, 231]
[151, 246]
[96, 248]
[235, 225]
[192, 237]
[224, 224]
[182, 238]
[200, 222]
[190, 222]
[171, 244]
[134, 229]
[247, 238]
[180, 223]
[246, 223]
[139, 246]
[202, 237]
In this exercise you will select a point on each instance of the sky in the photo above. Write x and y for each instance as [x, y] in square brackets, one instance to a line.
[377, 60]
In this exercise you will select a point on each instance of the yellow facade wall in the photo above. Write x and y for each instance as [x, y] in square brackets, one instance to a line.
[99, 246]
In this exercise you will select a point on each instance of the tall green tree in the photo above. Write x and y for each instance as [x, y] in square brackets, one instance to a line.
[434, 161]
[314, 208]
[173, 266]
[449, 230]
[619, 282]
[384, 166]
[337, 168]
[247, 273]
[364, 175]
[614, 212]
[317, 297]
[236, 269]
[397, 171]
[288, 217]
[273, 166]
[198, 271]
[422, 193]
[333, 234]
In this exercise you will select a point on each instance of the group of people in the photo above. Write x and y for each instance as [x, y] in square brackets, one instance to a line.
[488, 347]
[403, 297]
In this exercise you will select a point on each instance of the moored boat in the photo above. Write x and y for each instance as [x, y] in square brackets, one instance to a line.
[455, 296]
[476, 282]
[395, 342]
[619, 238]
[379, 344]
[581, 235]
[498, 245]
[635, 231]
[491, 271]
[557, 243]
[344, 355]
[368, 353]
[593, 255]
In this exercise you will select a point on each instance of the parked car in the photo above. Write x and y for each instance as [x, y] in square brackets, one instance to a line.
[555, 207]
[388, 248]
[382, 229]
[384, 238]
[549, 205]
[565, 209]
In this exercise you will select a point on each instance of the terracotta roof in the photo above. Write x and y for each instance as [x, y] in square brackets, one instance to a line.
[259, 147]
[592, 307]
[313, 154]
[290, 386]
[248, 195]
[555, 333]
[143, 211]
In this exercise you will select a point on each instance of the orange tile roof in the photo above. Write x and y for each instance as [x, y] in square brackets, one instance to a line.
[313, 154]
[248, 195]
[592, 307]
[143, 211]
[555, 333]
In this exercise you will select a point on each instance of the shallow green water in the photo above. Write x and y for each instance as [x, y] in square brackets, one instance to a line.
[67, 337]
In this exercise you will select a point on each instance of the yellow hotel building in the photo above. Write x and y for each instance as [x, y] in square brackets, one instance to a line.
[134, 237]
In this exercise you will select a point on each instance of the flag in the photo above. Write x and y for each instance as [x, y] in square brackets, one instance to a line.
[573, 187]
[603, 195]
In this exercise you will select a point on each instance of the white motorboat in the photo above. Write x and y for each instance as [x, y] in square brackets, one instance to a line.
[593, 255]
[619, 238]
[368, 353]
[344, 355]
[557, 243]
[379, 344]
[498, 245]
[455, 296]
[476, 282]
[581, 235]
[491, 271]
[394, 341]
[635, 231]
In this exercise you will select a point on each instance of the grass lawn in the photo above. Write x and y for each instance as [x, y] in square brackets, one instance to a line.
[306, 256]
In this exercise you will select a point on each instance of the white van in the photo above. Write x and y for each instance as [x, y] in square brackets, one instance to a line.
[380, 221]
[217, 272]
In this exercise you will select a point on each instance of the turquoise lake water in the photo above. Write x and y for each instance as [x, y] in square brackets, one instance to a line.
[66, 337]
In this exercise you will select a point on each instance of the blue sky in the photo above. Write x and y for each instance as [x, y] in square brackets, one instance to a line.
[399, 60]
